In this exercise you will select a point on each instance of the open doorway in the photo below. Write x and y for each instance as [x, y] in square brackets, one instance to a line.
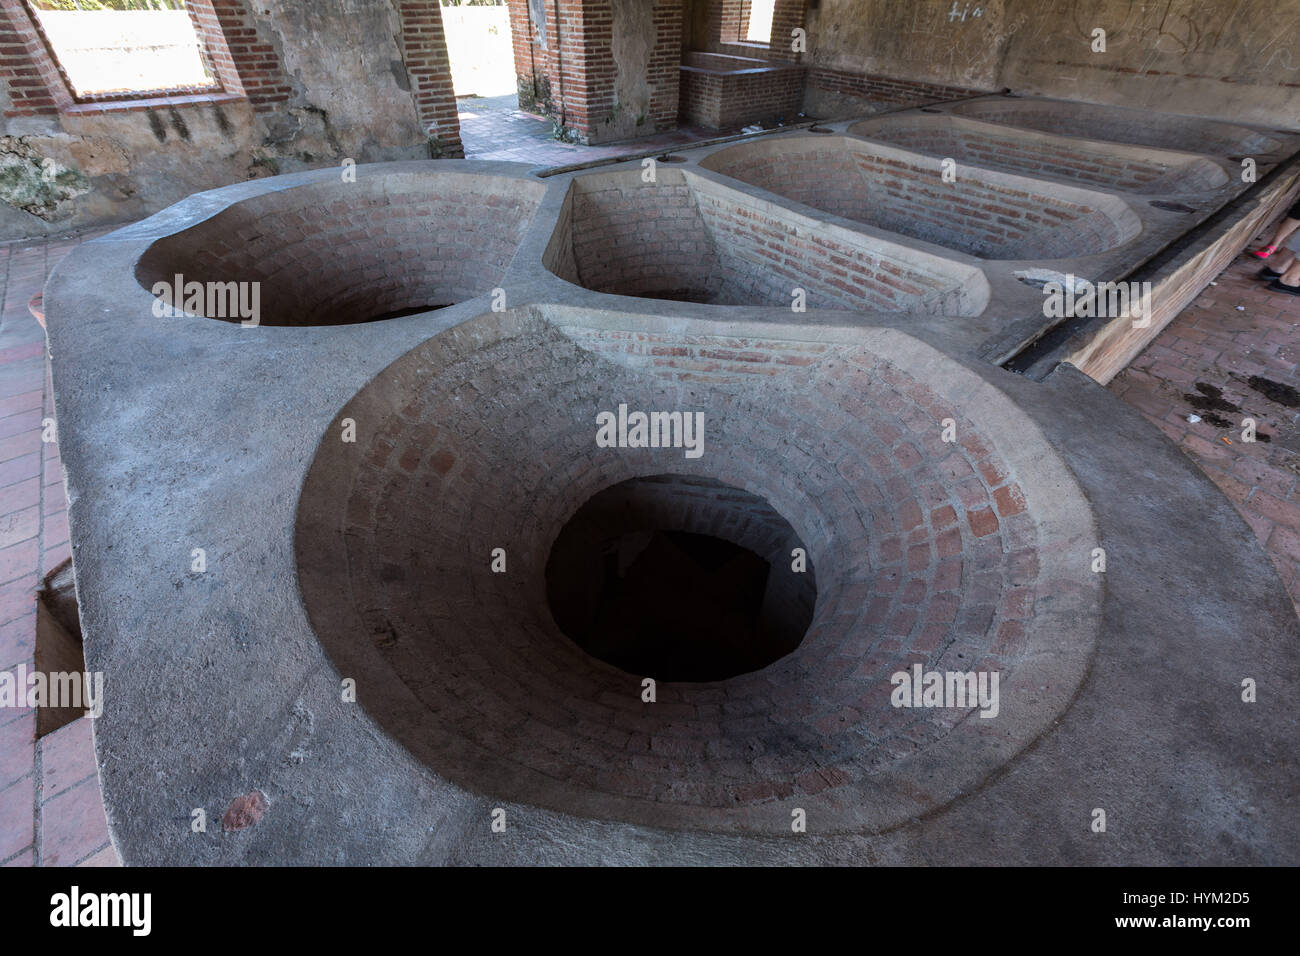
[479, 47]
[481, 53]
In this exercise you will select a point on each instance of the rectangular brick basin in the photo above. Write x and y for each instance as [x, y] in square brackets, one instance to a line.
[1093, 164]
[1119, 125]
[687, 238]
[985, 214]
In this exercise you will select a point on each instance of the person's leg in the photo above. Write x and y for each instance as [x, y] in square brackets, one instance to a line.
[1288, 280]
[1275, 270]
[1291, 278]
[1284, 229]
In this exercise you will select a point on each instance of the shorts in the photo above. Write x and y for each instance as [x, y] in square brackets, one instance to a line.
[1294, 212]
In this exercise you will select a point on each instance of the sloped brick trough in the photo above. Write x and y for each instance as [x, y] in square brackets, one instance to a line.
[1108, 166]
[983, 215]
[413, 532]
[1118, 125]
[686, 238]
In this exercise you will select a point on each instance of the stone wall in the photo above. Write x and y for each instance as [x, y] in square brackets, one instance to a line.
[1204, 57]
[302, 85]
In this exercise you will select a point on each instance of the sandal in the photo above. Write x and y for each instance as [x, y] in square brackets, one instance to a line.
[1277, 285]
[1265, 252]
[1267, 273]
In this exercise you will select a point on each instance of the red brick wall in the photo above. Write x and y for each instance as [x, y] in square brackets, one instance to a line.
[882, 91]
[787, 15]
[542, 72]
[665, 60]
[729, 23]
[722, 101]
[424, 48]
[240, 53]
[764, 260]
[30, 73]
[573, 79]
[528, 56]
[589, 64]
[633, 238]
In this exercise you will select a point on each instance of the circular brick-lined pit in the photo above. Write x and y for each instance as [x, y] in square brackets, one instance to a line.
[340, 252]
[926, 552]
[980, 214]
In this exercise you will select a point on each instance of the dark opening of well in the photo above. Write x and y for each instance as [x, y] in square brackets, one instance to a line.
[680, 579]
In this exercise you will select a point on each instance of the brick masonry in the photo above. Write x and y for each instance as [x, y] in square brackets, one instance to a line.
[946, 574]
[349, 252]
[722, 100]
[1235, 332]
[992, 147]
[728, 26]
[240, 53]
[51, 813]
[572, 75]
[977, 215]
[1139, 127]
[869, 92]
[677, 241]
[31, 74]
[424, 48]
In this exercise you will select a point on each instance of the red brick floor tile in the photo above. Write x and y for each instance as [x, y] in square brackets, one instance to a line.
[55, 528]
[24, 494]
[55, 555]
[18, 526]
[55, 498]
[17, 821]
[67, 757]
[24, 401]
[18, 559]
[17, 748]
[18, 598]
[17, 642]
[1213, 342]
[73, 825]
[18, 469]
[31, 483]
[105, 857]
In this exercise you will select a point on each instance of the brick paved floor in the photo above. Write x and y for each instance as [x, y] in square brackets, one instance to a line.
[1213, 361]
[1234, 336]
[50, 808]
[495, 128]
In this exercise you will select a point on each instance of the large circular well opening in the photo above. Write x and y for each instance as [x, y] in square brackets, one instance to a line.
[437, 552]
[680, 578]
